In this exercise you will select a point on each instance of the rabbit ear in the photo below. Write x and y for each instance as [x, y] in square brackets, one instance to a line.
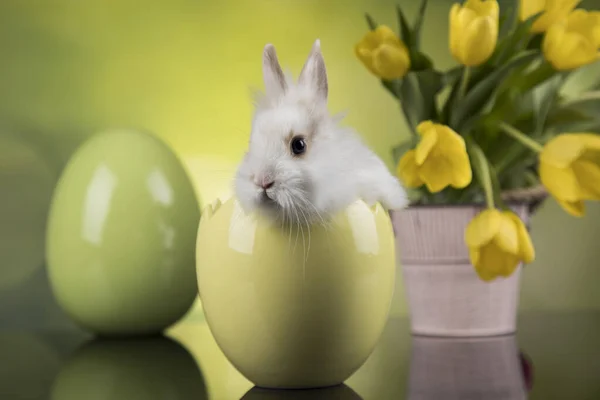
[275, 84]
[313, 73]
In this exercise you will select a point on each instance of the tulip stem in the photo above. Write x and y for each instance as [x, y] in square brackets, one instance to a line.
[520, 137]
[484, 174]
[466, 75]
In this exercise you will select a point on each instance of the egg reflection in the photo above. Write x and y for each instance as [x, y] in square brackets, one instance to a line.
[130, 369]
[340, 392]
[28, 364]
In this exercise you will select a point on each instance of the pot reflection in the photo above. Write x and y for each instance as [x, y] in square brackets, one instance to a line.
[340, 392]
[130, 369]
[482, 368]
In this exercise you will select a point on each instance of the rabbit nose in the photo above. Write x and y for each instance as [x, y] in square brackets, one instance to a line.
[267, 184]
[264, 183]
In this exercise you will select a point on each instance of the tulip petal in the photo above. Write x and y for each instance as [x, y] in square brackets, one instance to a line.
[552, 42]
[458, 26]
[464, 18]
[428, 141]
[391, 62]
[449, 140]
[484, 274]
[554, 11]
[526, 250]
[370, 41]
[560, 182]
[588, 140]
[578, 51]
[385, 34]
[436, 173]
[424, 126]
[482, 228]
[583, 22]
[596, 29]
[573, 42]
[407, 170]
[383, 53]
[478, 41]
[530, 7]
[489, 8]
[562, 150]
[574, 208]
[506, 238]
[509, 266]
[494, 262]
[462, 175]
[588, 176]
[366, 57]
[455, 30]
[474, 255]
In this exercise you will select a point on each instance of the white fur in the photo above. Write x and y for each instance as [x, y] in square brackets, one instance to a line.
[337, 169]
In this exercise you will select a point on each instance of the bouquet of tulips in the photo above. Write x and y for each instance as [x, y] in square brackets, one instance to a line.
[499, 122]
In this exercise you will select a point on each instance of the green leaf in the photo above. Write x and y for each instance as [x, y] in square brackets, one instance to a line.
[419, 61]
[577, 115]
[480, 95]
[535, 42]
[392, 86]
[399, 150]
[455, 75]
[535, 77]
[417, 96]
[516, 98]
[530, 178]
[451, 76]
[419, 25]
[514, 155]
[544, 98]
[405, 32]
[508, 16]
[371, 22]
[587, 103]
[595, 86]
[515, 42]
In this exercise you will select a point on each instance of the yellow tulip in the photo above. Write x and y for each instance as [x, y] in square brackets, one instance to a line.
[439, 160]
[498, 242]
[553, 11]
[569, 168]
[383, 53]
[474, 31]
[573, 42]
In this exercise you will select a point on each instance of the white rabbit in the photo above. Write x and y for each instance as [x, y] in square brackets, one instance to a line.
[300, 165]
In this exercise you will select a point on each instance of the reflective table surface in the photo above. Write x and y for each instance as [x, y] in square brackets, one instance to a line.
[553, 356]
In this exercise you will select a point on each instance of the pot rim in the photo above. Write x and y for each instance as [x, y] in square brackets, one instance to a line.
[463, 206]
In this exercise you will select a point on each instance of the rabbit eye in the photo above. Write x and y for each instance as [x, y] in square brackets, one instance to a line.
[298, 145]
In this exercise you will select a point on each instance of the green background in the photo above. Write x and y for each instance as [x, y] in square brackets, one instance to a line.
[183, 69]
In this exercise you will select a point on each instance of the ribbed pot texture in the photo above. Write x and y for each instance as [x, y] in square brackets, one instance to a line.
[444, 293]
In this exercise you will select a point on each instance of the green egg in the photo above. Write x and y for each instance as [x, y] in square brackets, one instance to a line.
[121, 236]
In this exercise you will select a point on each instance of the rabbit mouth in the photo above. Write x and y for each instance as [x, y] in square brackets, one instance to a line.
[268, 202]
